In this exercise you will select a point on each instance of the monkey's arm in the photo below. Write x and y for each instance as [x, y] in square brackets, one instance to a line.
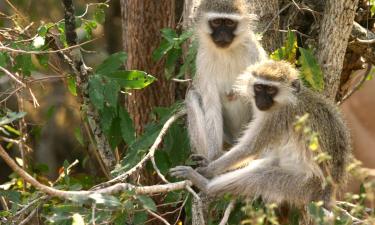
[205, 122]
[254, 140]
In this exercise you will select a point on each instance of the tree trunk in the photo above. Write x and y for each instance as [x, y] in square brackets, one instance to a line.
[142, 21]
[334, 35]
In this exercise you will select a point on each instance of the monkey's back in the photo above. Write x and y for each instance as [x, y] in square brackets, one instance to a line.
[326, 120]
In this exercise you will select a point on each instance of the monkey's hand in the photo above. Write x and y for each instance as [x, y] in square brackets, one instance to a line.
[183, 172]
[199, 160]
[205, 171]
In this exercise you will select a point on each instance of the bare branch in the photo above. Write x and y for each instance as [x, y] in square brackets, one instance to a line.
[358, 85]
[158, 217]
[4, 48]
[12, 76]
[151, 152]
[81, 72]
[227, 212]
[120, 187]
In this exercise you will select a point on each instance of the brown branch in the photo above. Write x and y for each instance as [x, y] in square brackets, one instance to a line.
[227, 212]
[363, 43]
[358, 85]
[4, 48]
[150, 153]
[120, 187]
[82, 72]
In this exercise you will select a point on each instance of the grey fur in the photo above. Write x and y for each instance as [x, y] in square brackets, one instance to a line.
[212, 118]
[285, 170]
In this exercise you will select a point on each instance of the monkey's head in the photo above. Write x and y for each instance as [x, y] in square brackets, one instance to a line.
[270, 84]
[223, 22]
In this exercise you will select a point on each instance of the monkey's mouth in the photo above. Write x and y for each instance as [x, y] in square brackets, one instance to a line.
[263, 106]
[222, 44]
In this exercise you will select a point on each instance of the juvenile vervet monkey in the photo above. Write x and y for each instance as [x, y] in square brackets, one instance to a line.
[226, 47]
[285, 170]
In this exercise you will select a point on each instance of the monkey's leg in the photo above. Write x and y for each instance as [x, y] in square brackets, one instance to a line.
[196, 121]
[205, 123]
[273, 183]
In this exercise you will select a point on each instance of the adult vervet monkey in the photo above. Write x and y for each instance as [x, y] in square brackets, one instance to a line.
[226, 47]
[285, 170]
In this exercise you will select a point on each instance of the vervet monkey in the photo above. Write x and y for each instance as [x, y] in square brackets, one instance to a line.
[226, 47]
[285, 169]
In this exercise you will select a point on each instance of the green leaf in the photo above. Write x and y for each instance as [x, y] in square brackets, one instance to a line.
[288, 51]
[169, 34]
[3, 59]
[10, 117]
[72, 87]
[24, 64]
[112, 63]
[127, 126]
[171, 61]
[163, 49]
[147, 202]
[310, 70]
[186, 35]
[115, 133]
[99, 14]
[96, 92]
[107, 115]
[78, 136]
[43, 30]
[132, 79]
[89, 26]
[140, 218]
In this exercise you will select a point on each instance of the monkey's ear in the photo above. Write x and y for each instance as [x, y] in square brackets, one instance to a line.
[296, 84]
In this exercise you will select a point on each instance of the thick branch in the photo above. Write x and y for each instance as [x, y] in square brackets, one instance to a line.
[120, 187]
[363, 43]
[81, 72]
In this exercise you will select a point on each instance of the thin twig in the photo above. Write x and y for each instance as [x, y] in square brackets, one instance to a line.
[47, 52]
[30, 216]
[358, 85]
[158, 217]
[276, 15]
[3, 203]
[227, 212]
[119, 187]
[152, 150]
[12, 76]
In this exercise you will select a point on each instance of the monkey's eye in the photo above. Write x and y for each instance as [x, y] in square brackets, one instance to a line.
[216, 22]
[258, 88]
[271, 90]
[230, 23]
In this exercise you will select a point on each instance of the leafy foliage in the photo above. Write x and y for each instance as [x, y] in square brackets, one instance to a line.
[311, 73]
[171, 48]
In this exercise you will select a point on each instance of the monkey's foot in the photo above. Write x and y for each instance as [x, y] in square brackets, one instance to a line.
[183, 172]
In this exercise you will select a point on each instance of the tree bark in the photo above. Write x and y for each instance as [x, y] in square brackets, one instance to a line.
[142, 21]
[336, 27]
[268, 25]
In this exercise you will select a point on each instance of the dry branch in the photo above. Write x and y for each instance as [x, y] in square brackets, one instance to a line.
[150, 153]
[82, 73]
[120, 187]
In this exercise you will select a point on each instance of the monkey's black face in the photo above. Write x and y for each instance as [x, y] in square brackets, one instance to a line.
[264, 96]
[223, 31]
